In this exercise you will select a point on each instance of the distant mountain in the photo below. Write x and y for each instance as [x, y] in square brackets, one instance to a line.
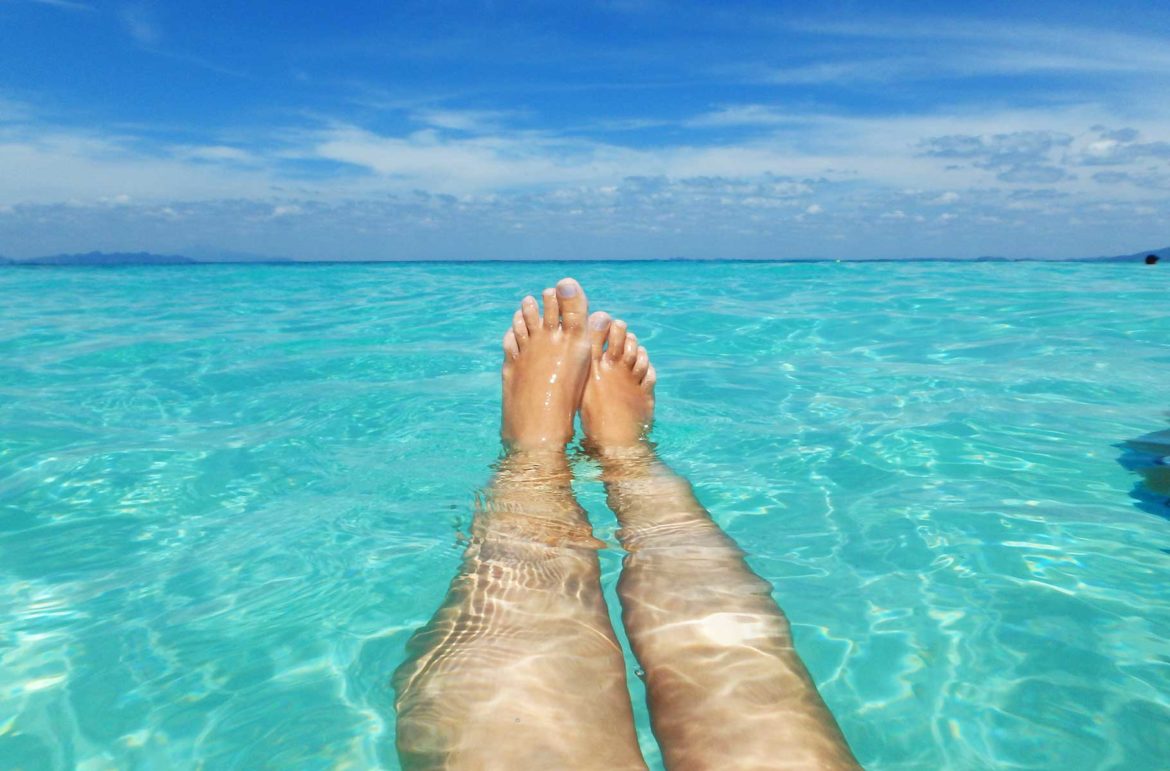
[109, 258]
[1162, 254]
[209, 256]
[145, 258]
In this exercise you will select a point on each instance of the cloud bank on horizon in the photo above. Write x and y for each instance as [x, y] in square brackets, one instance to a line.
[619, 128]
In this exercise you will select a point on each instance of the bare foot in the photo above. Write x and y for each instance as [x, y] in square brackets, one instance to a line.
[618, 405]
[546, 362]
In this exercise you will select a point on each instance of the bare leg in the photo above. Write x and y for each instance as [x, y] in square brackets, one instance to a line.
[725, 685]
[519, 668]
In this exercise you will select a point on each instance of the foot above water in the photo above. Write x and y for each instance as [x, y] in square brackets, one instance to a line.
[546, 364]
[618, 404]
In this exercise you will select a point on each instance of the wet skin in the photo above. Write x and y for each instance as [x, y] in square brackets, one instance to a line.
[725, 685]
[520, 668]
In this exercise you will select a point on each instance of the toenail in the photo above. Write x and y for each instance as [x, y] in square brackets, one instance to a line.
[599, 322]
[567, 290]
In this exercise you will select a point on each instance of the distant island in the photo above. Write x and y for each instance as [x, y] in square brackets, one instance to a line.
[112, 259]
[109, 259]
[1143, 257]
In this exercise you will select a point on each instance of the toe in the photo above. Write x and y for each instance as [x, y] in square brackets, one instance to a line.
[552, 311]
[511, 349]
[630, 350]
[598, 330]
[617, 339]
[574, 305]
[530, 310]
[520, 329]
[641, 364]
[650, 379]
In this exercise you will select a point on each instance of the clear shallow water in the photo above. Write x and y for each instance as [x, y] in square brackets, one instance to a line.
[229, 494]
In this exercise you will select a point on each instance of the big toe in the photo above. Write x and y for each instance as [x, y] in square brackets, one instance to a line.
[574, 305]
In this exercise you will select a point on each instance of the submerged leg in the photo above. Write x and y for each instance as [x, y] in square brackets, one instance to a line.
[725, 685]
[520, 668]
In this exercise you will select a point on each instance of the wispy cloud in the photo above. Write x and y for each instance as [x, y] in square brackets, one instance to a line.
[929, 152]
[215, 154]
[1021, 156]
[1121, 146]
[69, 5]
[742, 115]
[45, 164]
[140, 23]
[470, 121]
[974, 169]
[922, 50]
[865, 70]
[13, 111]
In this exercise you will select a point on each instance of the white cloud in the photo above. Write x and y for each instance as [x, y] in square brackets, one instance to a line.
[69, 5]
[52, 165]
[430, 159]
[214, 154]
[836, 72]
[835, 175]
[139, 22]
[13, 111]
[1009, 45]
[924, 152]
[508, 161]
[471, 121]
[1120, 147]
[1048, 63]
[741, 115]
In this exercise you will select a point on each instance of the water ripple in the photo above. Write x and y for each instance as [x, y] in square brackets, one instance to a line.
[228, 495]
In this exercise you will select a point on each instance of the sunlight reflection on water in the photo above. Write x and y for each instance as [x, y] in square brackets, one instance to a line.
[229, 494]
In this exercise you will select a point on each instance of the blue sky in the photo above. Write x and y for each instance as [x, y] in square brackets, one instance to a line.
[621, 129]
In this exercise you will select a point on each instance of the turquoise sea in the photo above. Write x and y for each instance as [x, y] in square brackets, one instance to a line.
[228, 494]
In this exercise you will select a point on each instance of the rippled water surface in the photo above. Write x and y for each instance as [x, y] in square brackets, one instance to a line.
[228, 494]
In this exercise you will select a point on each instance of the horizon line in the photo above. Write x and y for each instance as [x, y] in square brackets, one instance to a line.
[279, 262]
